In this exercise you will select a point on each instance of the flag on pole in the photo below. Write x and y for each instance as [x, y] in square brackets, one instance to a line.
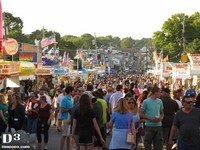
[48, 41]
[160, 56]
[65, 60]
[155, 56]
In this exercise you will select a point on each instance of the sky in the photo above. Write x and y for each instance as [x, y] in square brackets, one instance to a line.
[123, 18]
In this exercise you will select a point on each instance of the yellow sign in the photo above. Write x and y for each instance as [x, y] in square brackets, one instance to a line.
[8, 68]
[184, 58]
[27, 68]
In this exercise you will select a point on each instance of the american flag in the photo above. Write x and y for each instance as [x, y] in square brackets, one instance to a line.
[66, 60]
[48, 41]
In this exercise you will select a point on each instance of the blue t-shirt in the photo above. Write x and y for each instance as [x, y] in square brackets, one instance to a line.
[121, 121]
[66, 103]
[152, 108]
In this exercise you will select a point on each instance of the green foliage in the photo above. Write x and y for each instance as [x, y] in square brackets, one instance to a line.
[14, 26]
[126, 43]
[87, 41]
[180, 33]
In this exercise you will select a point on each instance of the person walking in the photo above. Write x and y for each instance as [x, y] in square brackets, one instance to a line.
[170, 108]
[115, 98]
[121, 122]
[32, 107]
[66, 106]
[84, 117]
[45, 115]
[134, 109]
[187, 121]
[16, 113]
[152, 111]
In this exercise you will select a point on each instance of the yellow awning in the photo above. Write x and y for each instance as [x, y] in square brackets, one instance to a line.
[27, 68]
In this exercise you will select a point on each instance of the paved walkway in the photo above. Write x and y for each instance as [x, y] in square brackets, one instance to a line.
[54, 140]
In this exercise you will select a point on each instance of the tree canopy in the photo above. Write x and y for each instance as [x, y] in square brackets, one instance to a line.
[180, 33]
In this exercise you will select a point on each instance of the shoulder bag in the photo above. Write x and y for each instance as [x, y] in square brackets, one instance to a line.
[130, 135]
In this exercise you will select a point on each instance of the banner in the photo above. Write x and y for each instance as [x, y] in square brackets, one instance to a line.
[167, 67]
[49, 60]
[29, 47]
[27, 68]
[194, 58]
[195, 61]
[60, 71]
[8, 68]
[181, 70]
[181, 66]
[28, 56]
[43, 71]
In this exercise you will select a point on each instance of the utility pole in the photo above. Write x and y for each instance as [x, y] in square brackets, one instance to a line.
[146, 59]
[95, 43]
[183, 33]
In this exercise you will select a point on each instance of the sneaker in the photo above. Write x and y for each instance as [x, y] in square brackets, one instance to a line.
[174, 146]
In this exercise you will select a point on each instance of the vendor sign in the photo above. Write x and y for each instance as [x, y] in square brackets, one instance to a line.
[195, 61]
[167, 67]
[181, 70]
[9, 68]
[43, 71]
[27, 68]
[28, 56]
[29, 47]
[11, 46]
[60, 71]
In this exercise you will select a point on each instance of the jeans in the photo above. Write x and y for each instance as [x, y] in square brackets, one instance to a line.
[42, 127]
[32, 125]
[153, 134]
[183, 146]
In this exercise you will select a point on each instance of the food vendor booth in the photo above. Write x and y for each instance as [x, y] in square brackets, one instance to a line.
[9, 74]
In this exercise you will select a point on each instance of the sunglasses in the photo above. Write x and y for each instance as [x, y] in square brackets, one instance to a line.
[189, 102]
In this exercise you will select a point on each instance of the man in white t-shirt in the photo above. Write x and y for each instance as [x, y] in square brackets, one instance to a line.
[43, 92]
[115, 97]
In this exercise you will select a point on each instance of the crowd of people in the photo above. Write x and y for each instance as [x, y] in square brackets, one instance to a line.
[87, 112]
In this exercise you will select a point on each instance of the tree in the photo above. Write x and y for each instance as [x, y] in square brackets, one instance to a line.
[14, 27]
[87, 41]
[126, 43]
[180, 33]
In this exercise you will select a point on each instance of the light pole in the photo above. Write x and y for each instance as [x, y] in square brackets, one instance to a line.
[183, 33]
